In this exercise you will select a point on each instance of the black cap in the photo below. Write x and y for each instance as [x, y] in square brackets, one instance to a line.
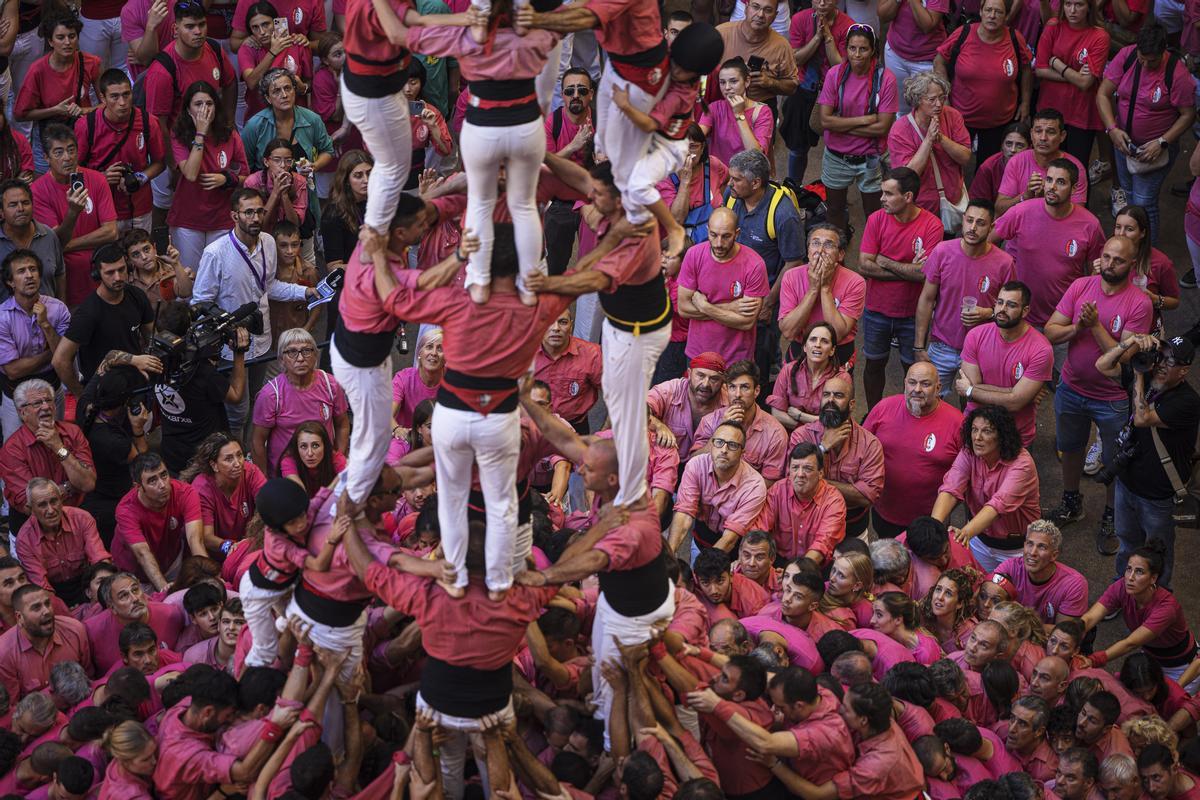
[698, 48]
[280, 501]
[1181, 350]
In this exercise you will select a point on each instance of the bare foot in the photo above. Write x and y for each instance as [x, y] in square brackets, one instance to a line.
[452, 590]
[479, 33]
[529, 298]
[676, 242]
[347, 507]
[498, 597]
[480, 292]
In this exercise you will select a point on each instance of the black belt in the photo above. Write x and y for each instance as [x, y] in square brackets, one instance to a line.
[849, 158]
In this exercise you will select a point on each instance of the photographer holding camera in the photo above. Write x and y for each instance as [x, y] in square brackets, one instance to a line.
[125, 143]
[1164, 422]
[195, 408]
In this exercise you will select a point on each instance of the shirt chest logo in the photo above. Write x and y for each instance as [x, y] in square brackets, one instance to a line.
[298, 16]
[1072, 248]
[89, 207]
[141, 141]
[1157, 96]
[222, 159]
[1009, 69]
[289, 64]
[1083, 56]
[1018, 371]
[172, 523]
[217, 74]
[930, 442]
[1116, 324]
[985, 283]
[735, 289]
[655, 76]
[573, 389]
[245, 509]
[918, 246]
[837, 302]
[325, 411]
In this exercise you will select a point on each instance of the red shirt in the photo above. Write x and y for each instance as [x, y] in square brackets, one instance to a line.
[823, 740]
[904, 139]
[859, 461]
[50, 208]
[24, 670]
[986, 76]
[634, 544]
[370, 57]
[23, 458]
[626, 26]
[189, 766]
[463, 322]
[229, 515]
[104, 629]
[1074, 47]
[304, 16]
[142, 147]
[886, 769]
[797, 526]
[739, 775]
[295, 59]
[450, 627]
[161, 529]
[746, 598]
[164, 97]
[207, 209]
[887, 236]
[573, 377]
[46, 87]
[917, 451]
[634, 261]
[62, 556]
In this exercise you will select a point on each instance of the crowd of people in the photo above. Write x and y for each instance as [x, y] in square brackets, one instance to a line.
[622, 523]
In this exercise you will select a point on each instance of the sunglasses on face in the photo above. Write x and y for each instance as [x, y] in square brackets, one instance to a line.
[573, 91]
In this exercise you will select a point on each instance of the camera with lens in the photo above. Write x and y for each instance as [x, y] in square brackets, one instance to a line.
[1124, 448]
[1145, 361]
[129, 179]
[211, 328]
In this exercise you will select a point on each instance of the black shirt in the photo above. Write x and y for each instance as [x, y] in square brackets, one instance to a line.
[111, 442]
[1179, 410]
[98, 327]
[190, 413]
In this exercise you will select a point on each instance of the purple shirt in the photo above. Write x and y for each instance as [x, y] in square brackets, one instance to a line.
[1155, 108]
[1050, 253]
[1023, 164]
[1065, 593]
[888, 654]
[1002, 363]
[958, 275]
[744, 275]
[1128, 309]
[801, 650]
[20, 336]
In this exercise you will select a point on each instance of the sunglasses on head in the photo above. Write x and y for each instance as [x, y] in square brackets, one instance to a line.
[863, 28]
[572, 91]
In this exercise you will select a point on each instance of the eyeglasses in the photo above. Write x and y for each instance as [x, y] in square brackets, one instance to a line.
[279, 91]
[45, 401]
[253, 212]
[280, 161]
[299, 352]
[572, 91]
[725, 444]
[824, 244]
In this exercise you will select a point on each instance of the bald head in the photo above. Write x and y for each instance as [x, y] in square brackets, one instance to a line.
[604, 453]
[1116, 260]
[722, 233]
[1049, 679]
[921, 388]
[599, 469]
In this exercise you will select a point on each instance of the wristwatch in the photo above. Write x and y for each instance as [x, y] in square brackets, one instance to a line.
[62, 453]
[141, 178]
[739, 117]
[1162, 142]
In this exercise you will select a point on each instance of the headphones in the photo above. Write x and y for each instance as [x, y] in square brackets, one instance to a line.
[114, 253]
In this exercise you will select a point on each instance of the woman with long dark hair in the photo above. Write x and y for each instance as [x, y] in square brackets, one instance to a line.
[420, 434]
[1153, 271]
[996, 478]
[212, 164]
[347, 205]
[310, 459]
[227, 486]
[796, 399]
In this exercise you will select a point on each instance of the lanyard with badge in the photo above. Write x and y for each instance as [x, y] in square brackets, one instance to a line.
[261, 280]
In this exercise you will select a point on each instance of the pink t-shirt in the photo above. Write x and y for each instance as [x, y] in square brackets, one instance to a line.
[1162, 614]
[1065, 593]
[887, 236]
[408, 390]
[295, 59]
[849, 295]
[229, 515]
[1010, 487]
[917, 451]
[801, 650]
[958, 275]
[281, 407]
[1002, 363]
[207, 209]
[1024, 164]
[1129, 309]
[909, 41]
[986, 76]
[1155, 108]
[889, 651]
[855, 97]
[744, 275]
[1050, 253]
[803, 27]
[724, 140]
[1075, 47]
[134, 16]
[303, 16]
[904, 140]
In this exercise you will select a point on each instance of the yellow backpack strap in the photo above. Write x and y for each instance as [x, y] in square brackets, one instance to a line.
[730, 201]
[775, 199]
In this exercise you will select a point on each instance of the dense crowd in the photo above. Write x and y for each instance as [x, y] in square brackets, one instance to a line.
[622, 523]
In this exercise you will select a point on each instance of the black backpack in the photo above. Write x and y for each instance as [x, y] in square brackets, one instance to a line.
[102, 164]
[876, 84]
[1168, 78]
[168, 63]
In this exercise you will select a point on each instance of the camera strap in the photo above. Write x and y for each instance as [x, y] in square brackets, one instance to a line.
[103, 163]
[1168, 465]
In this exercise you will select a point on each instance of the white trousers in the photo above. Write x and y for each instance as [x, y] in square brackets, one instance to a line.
[27, 48]
[521, 148]
[383, 123]
[609, 628]
[663, 156]
[102, 37]
[144, 222]
[990, 557]
[260, 607]
[369, 390]
[493, 443]
[617, 138]
[191, 243]
[349, 638]
[629, 362]
[902, 68]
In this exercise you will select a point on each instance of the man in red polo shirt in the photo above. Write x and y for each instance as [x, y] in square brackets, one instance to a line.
[805, 514]
[155, 520]
[58, 542]
[125, 603]
[40, 640]
[571, 367]
[724, 594]
[12, 578]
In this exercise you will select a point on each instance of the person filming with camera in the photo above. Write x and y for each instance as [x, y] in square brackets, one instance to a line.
[1154, 450]
[194, 407]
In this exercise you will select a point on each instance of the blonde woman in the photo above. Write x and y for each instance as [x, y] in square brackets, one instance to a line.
[848, 597]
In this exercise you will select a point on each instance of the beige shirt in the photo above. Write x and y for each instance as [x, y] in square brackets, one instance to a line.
[775, 50]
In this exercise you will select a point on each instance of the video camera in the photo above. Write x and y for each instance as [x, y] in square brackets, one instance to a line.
[211, 328]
